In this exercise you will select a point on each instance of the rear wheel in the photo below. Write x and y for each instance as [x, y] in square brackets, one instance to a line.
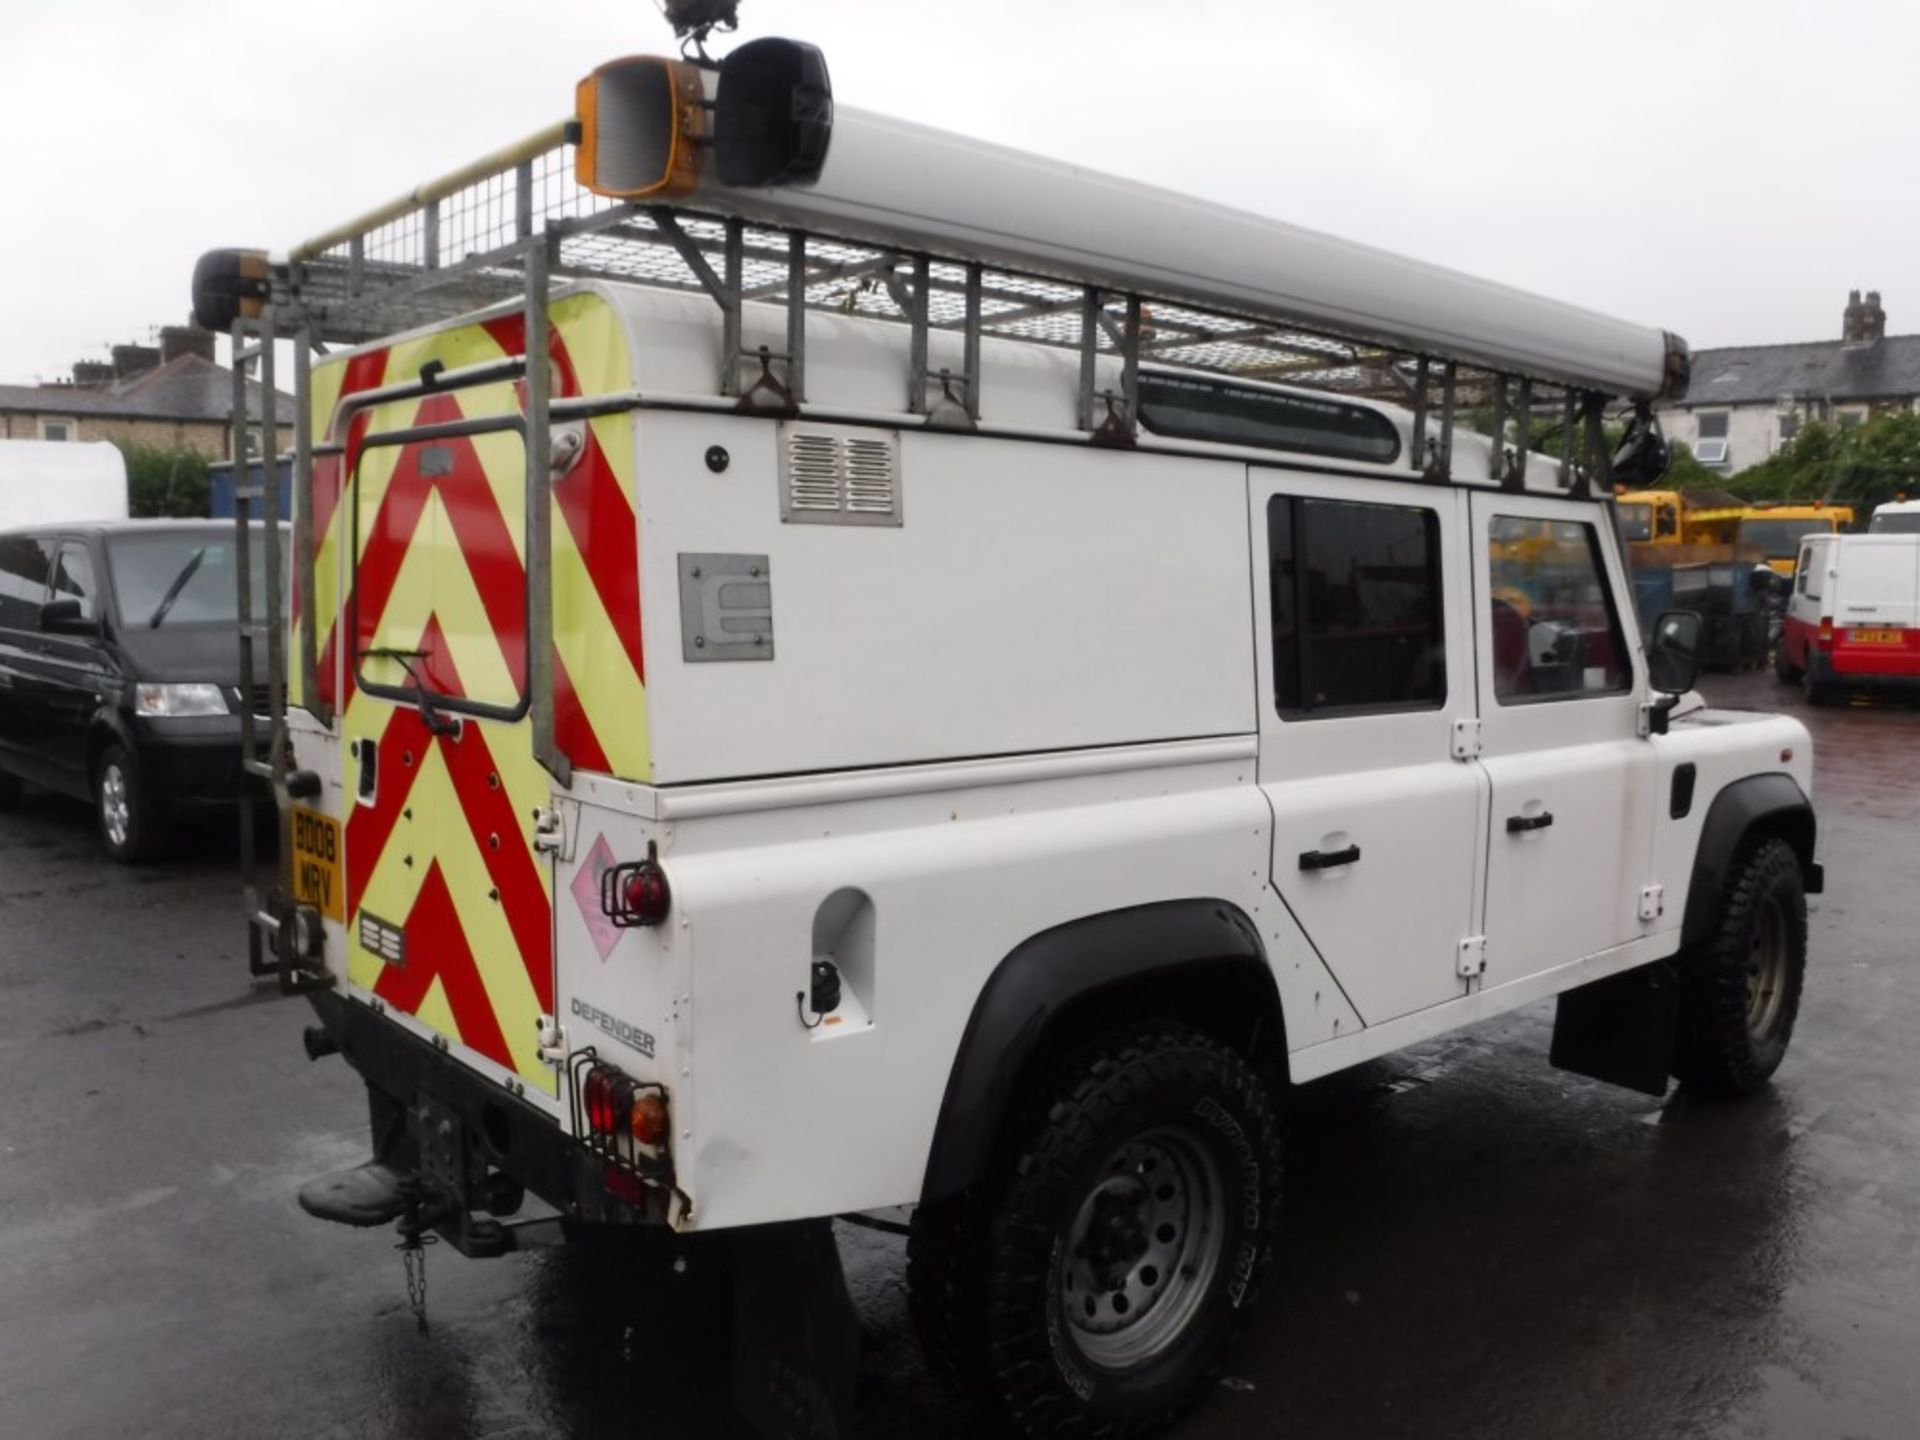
[1740, 988]
[1093, 1282]
[122, 807]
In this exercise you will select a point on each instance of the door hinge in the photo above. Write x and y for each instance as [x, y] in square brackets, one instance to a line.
[553, 1041]
[1653, 902]
[1466, 739]
[555, 829]
[1473, 957]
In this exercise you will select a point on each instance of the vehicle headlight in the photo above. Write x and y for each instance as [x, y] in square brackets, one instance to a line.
[173, 702]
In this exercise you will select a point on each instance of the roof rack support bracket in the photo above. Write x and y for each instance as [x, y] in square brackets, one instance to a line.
[1439, 464]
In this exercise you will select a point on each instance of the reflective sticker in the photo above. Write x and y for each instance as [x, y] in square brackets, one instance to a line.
[586, 894]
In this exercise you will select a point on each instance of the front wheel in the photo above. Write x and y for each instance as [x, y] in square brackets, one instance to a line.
[121, 805]
[1740, 988]
[1094, 1281]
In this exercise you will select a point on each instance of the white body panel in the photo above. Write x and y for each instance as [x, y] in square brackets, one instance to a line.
[47, 482]
[892, 182]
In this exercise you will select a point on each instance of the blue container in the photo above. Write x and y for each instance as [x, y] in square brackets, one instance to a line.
[220, 500]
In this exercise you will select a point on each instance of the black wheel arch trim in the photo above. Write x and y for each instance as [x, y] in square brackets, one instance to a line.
[1053, 972]
[1772, 804]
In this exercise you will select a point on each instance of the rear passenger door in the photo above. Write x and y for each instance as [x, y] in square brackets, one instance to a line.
[1572, 780]
[1365, 661]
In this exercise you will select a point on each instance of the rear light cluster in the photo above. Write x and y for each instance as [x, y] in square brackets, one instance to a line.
[1825, 638]
[620, 1119]
[636, 893]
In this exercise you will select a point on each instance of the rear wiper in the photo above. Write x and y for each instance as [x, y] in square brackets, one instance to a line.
[437, 723]
[187, 572]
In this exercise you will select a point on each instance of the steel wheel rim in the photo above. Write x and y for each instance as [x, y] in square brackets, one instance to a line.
[1143, 1248]
[114, 807]
[1767, 970]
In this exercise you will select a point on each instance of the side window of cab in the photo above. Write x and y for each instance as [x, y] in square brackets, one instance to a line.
[1556, 632]
[25, 566]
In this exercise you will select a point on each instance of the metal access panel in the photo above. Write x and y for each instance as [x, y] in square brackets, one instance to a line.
[726, 608]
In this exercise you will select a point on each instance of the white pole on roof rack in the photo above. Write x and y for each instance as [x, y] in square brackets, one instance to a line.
[889, 182]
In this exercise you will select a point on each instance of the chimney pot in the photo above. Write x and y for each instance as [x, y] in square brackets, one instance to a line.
[132, 360]
[178, 340]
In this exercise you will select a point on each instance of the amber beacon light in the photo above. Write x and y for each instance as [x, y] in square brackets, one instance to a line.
[648, 130]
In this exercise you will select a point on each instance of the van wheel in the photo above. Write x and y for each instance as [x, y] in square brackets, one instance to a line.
[1091, 1284]
[1740, 988]
[11, 791]
[1818, 695]
[1783, 667]
[121, 806]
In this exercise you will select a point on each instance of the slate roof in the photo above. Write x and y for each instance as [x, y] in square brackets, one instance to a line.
[1818, 370]
[185, 388]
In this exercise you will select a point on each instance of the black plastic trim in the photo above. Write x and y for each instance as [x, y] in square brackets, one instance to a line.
[1774, 803]
[1031, 988]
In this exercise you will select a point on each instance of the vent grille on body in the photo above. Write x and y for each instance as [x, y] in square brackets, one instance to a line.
[839, 475]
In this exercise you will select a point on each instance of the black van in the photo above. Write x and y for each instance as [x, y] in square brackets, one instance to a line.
[120, 670]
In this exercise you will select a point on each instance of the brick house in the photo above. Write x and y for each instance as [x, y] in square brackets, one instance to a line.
[1747, 401]
[171, 395]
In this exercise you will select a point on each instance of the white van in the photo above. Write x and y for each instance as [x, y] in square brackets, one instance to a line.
[1896, 517]
[1853, 620]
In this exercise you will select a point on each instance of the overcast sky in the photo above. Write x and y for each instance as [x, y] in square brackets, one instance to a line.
[1724, 168]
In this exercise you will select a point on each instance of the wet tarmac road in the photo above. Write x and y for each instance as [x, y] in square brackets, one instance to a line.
[1476, 1244]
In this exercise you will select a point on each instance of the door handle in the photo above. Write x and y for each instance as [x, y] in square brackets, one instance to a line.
[1520, 824]
[1328, 859]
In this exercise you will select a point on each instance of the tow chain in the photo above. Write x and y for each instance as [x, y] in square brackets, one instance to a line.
[413, 1261]
[414, 1239]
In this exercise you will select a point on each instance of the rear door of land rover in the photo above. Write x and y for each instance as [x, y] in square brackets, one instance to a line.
[447, 904]
[1365, 662]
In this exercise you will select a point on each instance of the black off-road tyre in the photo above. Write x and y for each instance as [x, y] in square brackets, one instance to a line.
[1155, 1144]
[10, 792]
[128, 820]
[1740, 987]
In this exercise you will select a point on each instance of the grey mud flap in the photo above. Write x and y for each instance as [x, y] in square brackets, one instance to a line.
[796, 1340]
[1621, 1029]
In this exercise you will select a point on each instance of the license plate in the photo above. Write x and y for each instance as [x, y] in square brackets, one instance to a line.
[316, 862]
[1875, 637]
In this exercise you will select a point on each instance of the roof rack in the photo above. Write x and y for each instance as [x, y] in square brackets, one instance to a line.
[1457, 348]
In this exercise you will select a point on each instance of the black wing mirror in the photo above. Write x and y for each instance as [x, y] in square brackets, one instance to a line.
[64, 617]
[1673, 659]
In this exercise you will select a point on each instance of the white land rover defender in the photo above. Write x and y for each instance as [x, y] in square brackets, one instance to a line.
[955, 681]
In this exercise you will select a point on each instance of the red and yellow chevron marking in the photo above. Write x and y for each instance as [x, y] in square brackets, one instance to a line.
[439, 569]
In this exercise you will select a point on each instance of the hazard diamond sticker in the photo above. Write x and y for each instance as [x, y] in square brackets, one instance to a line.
[586, 894]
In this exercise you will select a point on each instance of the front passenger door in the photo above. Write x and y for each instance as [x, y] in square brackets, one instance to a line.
[26, 564]
[1569, 844]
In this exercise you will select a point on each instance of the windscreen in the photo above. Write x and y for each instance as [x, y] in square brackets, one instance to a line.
[1635, 521]
[1780, 539]
[1901, 522]
[181, 578]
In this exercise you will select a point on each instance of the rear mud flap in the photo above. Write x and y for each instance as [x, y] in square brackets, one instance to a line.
[1621, 1029]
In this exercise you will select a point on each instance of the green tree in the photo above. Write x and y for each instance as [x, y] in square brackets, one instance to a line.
[163, 481]
[1859, 465]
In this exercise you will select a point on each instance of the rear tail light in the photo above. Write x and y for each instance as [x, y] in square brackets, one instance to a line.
[1825, 638]
[622, 1120]
[637, 892]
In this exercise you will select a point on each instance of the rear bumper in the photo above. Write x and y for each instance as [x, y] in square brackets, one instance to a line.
[498, 1134]
[1844, 670]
